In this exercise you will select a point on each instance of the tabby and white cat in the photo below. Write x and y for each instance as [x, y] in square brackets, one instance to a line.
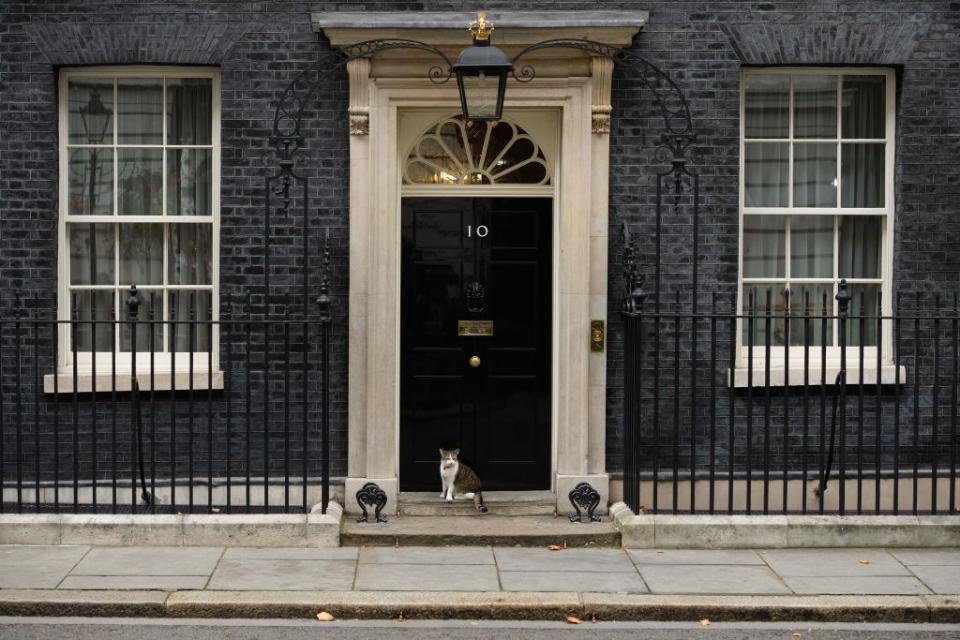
[459, 479]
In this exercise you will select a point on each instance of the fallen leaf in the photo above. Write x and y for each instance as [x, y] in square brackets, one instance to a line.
[553, 547]
[214, 510]
[572, 620]
[659, 551]
[864, 562]
[323, 616]
[705, 622]
[796, 635]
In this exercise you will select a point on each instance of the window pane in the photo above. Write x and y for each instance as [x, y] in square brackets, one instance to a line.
[815, 106]
[862, 176]
[91, 253]
[184, 307]
[91, 182]
[86, 306]
[189, 113]
[188, 182]
[151, 307]
[90, 111]
[190, 254]
[863, 314]
[811, 246]
[755, 332]
[763, 247]
[864, 107]
[812, 301]
[139, 111]
[860, 246]
[141, 181]
[767, 106]
[141, 254]
[766, 174]
[815, 175]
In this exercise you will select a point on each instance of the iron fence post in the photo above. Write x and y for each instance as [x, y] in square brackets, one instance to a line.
[323, 305]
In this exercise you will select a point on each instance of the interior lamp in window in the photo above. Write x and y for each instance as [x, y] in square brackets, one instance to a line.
[481, 72]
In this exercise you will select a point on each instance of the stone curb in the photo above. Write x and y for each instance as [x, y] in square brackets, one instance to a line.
[668, 531]
[479, 605]
[276, 530]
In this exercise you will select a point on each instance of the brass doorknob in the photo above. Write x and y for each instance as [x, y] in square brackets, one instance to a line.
[474, 361]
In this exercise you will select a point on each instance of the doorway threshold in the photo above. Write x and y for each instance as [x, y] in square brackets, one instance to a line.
[500, 503]
[480, 530]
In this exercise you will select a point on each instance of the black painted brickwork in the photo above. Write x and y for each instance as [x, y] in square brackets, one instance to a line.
[260, 46]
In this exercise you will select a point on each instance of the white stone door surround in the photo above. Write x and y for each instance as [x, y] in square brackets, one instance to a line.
[569, 83]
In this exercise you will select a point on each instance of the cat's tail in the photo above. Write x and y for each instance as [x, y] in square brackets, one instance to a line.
[478, 502]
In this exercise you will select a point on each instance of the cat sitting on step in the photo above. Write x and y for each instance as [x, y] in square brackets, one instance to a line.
[459, 479]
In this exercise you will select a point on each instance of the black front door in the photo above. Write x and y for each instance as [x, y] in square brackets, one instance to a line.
[476, 266]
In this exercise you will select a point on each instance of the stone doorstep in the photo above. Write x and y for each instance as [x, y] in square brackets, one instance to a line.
[478, 605]
[669, 531]
[235, 530]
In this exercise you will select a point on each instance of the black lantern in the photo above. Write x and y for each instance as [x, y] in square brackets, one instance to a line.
[482, 74]
[95, 117]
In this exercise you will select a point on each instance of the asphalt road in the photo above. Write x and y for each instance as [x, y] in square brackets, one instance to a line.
[151, 629]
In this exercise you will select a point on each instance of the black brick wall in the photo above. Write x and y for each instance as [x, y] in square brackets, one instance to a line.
[260, 46]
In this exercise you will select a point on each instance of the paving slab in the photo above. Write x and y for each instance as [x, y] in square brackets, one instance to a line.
[876, 585]
[943, 580]
[436, 577]
[148, 561]
[833, 562]
[291, 553]
[694, 556]
[711, 579]
[164, 583]
[37, 566]
[524, 559]
[927, 556]
[426, 555]
[594, 581]
[282, 574]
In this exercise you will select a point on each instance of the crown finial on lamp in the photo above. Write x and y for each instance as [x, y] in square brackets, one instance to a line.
[480, 28]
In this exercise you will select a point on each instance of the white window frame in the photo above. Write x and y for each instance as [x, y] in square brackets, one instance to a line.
[792, 359]
[162, 361]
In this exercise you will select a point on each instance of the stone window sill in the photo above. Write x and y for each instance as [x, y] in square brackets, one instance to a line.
[162, 381]
[738, 378]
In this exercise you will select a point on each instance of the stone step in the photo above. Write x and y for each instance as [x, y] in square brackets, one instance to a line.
[500, 503]
[479, 529]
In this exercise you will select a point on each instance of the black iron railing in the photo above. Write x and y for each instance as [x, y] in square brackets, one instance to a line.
[232, 416]
[788, 408]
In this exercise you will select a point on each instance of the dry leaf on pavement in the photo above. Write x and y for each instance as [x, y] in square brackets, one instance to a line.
[553, 547]
[323, 616]
[864, 562]
[572, 620]
[705, 622]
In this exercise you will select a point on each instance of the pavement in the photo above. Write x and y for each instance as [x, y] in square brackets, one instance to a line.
[494, 582]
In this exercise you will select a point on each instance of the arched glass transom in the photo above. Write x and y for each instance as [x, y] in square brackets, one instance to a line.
[453, 152]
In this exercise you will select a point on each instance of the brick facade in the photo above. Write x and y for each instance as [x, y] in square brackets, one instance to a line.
[260, 46]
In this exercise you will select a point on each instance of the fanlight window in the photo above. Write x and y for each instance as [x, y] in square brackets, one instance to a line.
[455, 152]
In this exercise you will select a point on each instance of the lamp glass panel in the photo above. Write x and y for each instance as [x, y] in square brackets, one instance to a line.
[481, 92]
